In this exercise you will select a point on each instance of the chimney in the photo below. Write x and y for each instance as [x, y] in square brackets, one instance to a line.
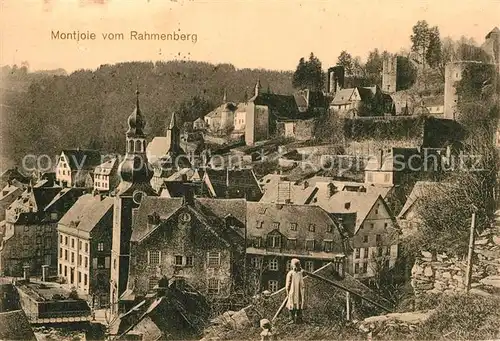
[347, 205]
[26, 273]
[381, 160]
[330, 190]
[45, 272]
[305, 184]
[188, 194]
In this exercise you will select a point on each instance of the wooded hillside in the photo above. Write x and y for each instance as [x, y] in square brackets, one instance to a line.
[88, 109]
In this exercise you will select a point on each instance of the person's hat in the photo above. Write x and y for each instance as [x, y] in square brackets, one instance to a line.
[295, 261]
[265, 323]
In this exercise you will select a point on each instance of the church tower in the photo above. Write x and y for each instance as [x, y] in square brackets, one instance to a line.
[136, 173]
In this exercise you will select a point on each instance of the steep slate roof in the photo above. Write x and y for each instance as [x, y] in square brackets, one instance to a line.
[225, 207]
[9, 190]
[298, 193]
[282, 106]
[164, 207]
[302, 215]
[349, 202]
[86, 213]
[13, 174]
[343, 96]
[62, 194]
[218, 181]
[217, 112]
[84, 158]
[420, 189]
[15, 326]
[106, 167]
[43, 196]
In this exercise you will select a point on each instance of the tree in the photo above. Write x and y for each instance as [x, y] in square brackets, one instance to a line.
[309, 74]
[433, 54]
[426, 43]
[193, 108]
[407, 73]
[345, 59]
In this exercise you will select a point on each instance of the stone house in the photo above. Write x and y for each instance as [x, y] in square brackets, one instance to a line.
[75, 167]
[369, 223]
[84, 237]
[301, 130]
[195, 240]
[362, 101]
[434, 105]
[31, 229]
[277, 233]
[106, 176]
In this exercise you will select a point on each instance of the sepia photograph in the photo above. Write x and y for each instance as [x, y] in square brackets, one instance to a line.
[249, 170]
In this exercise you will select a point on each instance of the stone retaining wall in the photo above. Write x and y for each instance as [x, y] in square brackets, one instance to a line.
[440, 274]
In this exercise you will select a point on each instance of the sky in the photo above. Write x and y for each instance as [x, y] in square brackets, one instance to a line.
[271, 34]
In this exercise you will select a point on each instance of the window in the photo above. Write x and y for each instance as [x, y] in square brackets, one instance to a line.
[293, 226]
[362, 252]
[292, 243]
[372, 225]
[365, 239]
[152, 283]
[60, 269]
[72, 257]
[259, 224]
[357, 253]
[276, 225]
[60, 238]
[256, 262]
[79, 245]
[100, 262]
[86, 247]
[273, 264]
[309, 266]
[365, 267]
[72, 243]
[79, 277]
[378, 238]
[65, 271]
[213, 286]
[329, 228]
[154, 257]
[60, 252]
[274, 241]
[310, 244]
[312, 227]
[79, 260]
[356, 268]
[328, 245]
[369, 177]
[86, 262]
[213, 259]
[178, 260]
[272, 286]
[65, 240]
[258, 242]
[189, 261]
[100, 246]
[385, 225]
[48, 242]
[380, 252]
[65, 254]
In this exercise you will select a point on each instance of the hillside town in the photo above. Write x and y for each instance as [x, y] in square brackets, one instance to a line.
[194, 234]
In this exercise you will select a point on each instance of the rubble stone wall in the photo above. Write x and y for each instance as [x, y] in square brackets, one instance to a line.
[440, 274]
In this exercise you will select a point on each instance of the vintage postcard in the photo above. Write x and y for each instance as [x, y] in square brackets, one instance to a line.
[249, 170]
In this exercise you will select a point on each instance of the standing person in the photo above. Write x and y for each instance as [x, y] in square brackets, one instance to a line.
[295, 290]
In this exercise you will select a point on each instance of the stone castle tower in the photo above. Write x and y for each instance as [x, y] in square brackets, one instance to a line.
[335, 80]
[389, 74]
[136, 173]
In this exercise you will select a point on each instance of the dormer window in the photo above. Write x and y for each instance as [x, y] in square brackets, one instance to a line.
[274, 241]
[276, 225]
[293, 226]
[259, 224]
[312, 228]
[153, 219]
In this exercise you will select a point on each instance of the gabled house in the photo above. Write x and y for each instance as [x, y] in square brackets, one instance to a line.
[106, 176]
[8, 194]
[75, 167]
[408, 218]
[194, 240]
[31, 229]
[362, 101]
[231, 183]
[372, 228]
[277, 233]
[393, 166]
[84, 239]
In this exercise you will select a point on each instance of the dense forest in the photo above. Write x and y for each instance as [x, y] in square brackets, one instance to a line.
[45, 112]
